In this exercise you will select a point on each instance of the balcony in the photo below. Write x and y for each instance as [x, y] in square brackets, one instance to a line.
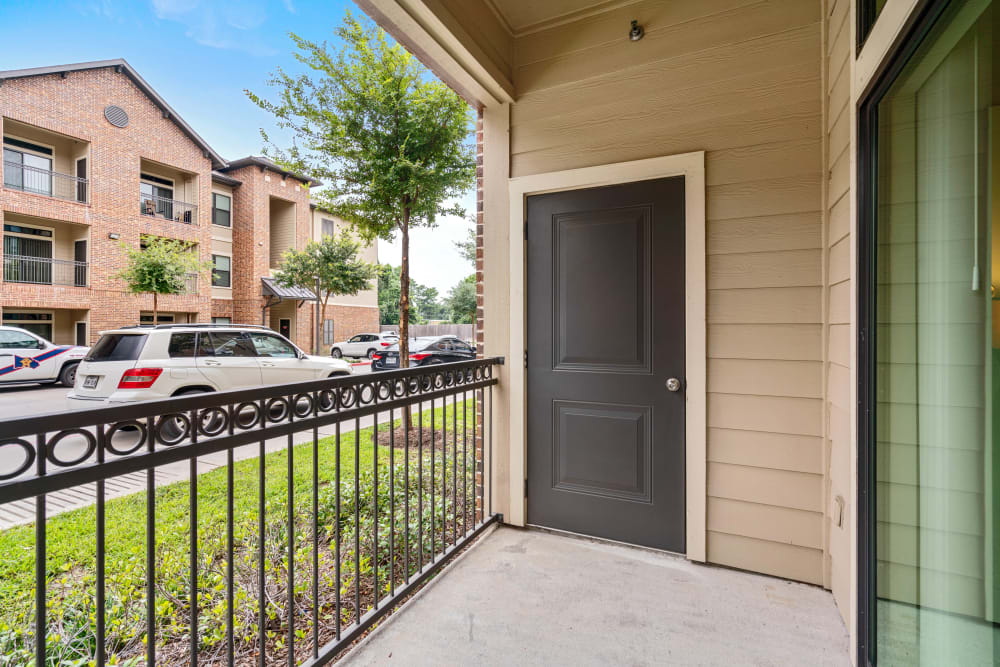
[190, 284]
[46, 271]
[169, 209]
[38, 181]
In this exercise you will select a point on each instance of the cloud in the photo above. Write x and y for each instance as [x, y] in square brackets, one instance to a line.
[290, 6]
[225, 24]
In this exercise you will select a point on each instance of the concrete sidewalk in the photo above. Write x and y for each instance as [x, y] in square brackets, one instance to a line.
[527, 597]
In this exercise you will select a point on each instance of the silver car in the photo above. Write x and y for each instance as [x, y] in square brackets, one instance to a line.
[364, 345]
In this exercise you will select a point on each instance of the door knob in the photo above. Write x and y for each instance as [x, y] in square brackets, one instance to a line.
[673, 384]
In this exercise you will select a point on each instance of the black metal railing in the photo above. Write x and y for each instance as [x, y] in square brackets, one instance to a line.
[171, 209]
[46, 182]
[45, 271]
[288, 552]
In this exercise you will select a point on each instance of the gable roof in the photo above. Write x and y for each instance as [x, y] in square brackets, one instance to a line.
[265, 163]
[121, 66]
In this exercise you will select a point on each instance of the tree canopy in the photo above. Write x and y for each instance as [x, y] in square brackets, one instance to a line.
[461, 301]
[160, 266]
[392, 143]
[334, 260]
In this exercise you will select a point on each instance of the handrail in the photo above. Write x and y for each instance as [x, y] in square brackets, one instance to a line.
[416, 513]
[36, 180]
[44, 271]
[170, 209]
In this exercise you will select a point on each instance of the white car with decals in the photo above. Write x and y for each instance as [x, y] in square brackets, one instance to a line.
[27, 359]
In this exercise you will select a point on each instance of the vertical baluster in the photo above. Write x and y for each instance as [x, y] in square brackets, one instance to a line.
[454, 467]
[392, 504]
[193, 549]
[99, 591]
[444, 473]
[315, 530]
[357, 516]
[420, 484]
[433, 507]
[407, 416]
[476, 500]
[465, 463]
[41, 584]
[489, 458]
[290, 611]
[230, 568]
[375, 590]
[151, 553]
[262, 536]
[336, 529]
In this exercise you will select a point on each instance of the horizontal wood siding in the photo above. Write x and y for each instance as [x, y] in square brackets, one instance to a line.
[839, 129]
[741, 80]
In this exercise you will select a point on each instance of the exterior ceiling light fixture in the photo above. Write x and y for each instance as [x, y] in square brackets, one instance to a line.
[636, 33]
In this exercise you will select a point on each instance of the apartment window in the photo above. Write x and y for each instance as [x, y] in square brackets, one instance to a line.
[161, 318]
[328, 332]
[328, 227]
[222, 271]
[222, 320]
[27, 166]
[222, 206]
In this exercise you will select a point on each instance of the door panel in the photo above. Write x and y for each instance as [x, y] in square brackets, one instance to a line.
[605, 332]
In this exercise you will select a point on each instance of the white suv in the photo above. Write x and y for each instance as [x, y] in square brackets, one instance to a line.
[147, 362]
[364, 345]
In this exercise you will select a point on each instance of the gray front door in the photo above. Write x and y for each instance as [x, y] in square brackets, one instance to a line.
[605, 333]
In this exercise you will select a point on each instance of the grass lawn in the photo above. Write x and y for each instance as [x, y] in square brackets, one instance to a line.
[71, 551]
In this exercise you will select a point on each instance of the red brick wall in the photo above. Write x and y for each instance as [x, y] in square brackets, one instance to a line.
[74, 106]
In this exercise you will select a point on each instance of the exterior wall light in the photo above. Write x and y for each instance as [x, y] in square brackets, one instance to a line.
[114, 236]
[636, 33]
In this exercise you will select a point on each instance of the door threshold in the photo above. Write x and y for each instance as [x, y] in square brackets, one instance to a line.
[603, 540]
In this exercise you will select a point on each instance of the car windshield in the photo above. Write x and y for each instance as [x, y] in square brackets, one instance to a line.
[117, 347]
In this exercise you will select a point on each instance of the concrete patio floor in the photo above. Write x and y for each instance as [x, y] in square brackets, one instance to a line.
[527, 597]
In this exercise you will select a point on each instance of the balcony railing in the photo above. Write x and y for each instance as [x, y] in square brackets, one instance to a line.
[170, 209]
[45, 271]
[38, 181]
[294, 554]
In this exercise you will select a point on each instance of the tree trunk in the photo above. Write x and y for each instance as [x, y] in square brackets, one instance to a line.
[154, 309]
[404, 294]
[404, 310]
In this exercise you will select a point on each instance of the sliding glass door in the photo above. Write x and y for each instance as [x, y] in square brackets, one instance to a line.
[934, 356]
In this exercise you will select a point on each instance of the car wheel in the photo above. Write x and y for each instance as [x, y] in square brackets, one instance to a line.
[371, 353]
[67, 376]
[336, 353]
[338, 374]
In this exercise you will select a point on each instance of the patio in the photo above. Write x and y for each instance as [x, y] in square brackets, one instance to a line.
[530, 597]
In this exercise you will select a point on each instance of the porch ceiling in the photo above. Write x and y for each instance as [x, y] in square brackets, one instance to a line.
[528, 597]
[522, 16]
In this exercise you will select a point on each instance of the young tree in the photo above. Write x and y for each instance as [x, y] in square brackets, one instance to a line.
[160, 266]
[334, 260]
[461, 301]
[393, 142]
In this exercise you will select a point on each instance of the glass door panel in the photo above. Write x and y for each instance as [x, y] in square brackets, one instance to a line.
[935, 445]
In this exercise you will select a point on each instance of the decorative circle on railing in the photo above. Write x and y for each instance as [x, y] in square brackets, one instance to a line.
[172, 429]
[212, 421]
[303, 405]
[327, 400]
[247, 415]
[29, 457]
[130, 426]
[66, 463]
[348, 397]
[276, 409]
[384, 390]
[116, 115]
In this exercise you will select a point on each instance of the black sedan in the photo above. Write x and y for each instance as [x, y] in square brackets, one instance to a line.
[425, 351]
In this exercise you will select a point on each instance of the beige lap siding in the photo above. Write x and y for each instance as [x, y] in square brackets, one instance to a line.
[742, 81]
[839, 130]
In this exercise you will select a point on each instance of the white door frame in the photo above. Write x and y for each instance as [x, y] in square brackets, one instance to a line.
[692, 167]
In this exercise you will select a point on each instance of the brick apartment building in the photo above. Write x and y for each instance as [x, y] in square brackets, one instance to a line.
[93, 157]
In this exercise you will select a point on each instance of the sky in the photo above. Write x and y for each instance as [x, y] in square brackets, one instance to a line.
[200, 55]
